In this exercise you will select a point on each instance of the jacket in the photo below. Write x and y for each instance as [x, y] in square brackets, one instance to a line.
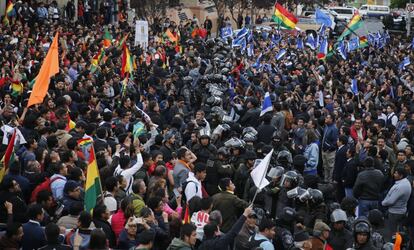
[251, 118]
[241, 242]
[265, 132]
[317, 243]
[354, 133]
[340, 240]
[118, 222]
[230, 207]
[84, 233]
[223, 242]
[349, 174]
[34, 236]
[398, 196]
[193, 187]
[312, 158]
[340, 162]
[180, 173]
[368, 185]
[106, 227]
[178, 244]
[330, 136]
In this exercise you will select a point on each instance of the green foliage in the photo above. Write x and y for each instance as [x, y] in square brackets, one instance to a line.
[398, 3]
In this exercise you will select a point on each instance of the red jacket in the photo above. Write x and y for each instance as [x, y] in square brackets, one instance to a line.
[354, 133]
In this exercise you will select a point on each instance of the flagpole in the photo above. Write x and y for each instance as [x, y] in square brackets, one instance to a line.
[264, 176]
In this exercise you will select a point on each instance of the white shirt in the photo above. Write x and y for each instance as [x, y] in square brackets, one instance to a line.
[128, 174]
[193, 187]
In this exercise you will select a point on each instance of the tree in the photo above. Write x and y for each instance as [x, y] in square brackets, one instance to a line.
[236, 6]
[398, 3]
[264, 4]
[150, 10]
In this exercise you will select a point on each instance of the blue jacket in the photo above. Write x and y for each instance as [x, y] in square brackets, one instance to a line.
[312, 158]
[34, 236]
[330, 136]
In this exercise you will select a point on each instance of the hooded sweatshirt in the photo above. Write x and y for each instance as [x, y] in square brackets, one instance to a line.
[178, 244]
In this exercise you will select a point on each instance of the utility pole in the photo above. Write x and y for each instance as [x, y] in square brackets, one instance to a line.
[409, 19]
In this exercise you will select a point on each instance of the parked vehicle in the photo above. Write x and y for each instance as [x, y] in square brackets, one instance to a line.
[379, 11]
[344, 13]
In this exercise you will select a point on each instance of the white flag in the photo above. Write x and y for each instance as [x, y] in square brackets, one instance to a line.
[258, 173]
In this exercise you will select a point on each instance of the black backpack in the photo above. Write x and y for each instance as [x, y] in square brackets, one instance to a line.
[183, 187]
[254, 244]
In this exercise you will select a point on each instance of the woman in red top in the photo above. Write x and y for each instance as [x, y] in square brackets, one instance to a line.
[119, 219]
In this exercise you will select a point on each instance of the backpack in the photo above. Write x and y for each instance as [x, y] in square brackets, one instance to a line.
[254, 244]
[45, 185]
[184, 186]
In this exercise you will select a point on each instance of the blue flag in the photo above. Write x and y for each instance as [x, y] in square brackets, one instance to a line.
[323, 18]
[405, 62]
[371, 39]
[310, 41]
[412, 43]
[226, 32]
[257, 63]
[250, 50]
[238, 42]
[281, 54]
[342, 50]
[354, 86]
[231, 87]
[299, 43]
[353, 44]
[267, 104]
[242, 33]
[250, 37]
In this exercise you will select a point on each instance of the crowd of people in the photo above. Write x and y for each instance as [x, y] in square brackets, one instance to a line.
[176, 142]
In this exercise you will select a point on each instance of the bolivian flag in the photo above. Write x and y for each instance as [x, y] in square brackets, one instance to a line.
[8, 157]
[71, 124]
[93, 188]
[17, 89]
[363, 42]
[284, 18]
[127, 62]
[353, 25]
[9, 10]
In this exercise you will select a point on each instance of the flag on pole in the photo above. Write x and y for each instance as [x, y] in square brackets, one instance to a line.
[354, 86]
[258, 174]
[323, 18]
[299, 43]
[85, 144]
[353, 44]
[405, 62]
[310, 41]
[281, 54]
[257, 63]
[93, 188]
[186, 217]
[226, 32]
[70, 125]
[8, 157]
[284, 18]
[267, 104]
[354, 24]
[121, 43]
[250, 50]
[242, 33]
[323, 49]
[127, 64]
[363, 42]
[49, 68]
[342, 50]
[9, 10]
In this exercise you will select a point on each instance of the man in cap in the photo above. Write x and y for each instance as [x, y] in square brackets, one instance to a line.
[320, 236]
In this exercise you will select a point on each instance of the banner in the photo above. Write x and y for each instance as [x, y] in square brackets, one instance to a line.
[141, 34]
